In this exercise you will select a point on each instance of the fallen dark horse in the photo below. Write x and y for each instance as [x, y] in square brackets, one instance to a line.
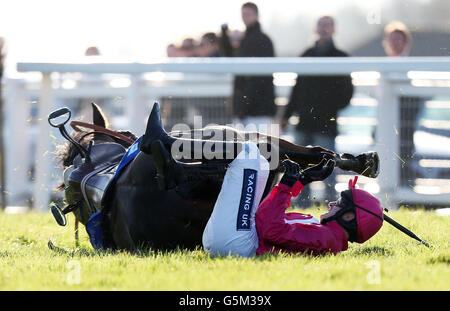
[135, 213]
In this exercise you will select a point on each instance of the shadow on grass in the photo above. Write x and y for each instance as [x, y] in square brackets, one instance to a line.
[139, 252]
[372, 251]
[276, 256]
[439, 259]
[78, 252]
[197, 254]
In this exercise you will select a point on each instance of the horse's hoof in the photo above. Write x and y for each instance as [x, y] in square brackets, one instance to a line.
[370, 163]
[366, 164]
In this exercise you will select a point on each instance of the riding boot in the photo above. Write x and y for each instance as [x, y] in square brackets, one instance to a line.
[186, 148]
[175, 174]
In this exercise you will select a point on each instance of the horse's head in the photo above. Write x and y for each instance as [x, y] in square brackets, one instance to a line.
[86, 151]
[68, 152]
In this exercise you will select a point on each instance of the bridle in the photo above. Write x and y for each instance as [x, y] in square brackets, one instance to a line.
[77, 124]
[96, 130]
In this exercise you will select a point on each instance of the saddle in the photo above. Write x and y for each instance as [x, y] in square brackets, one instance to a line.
[90, 180]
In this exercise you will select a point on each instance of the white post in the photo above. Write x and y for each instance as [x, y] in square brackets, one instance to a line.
[17, 138]
[387, 142]
[135, 107]
[43, 156]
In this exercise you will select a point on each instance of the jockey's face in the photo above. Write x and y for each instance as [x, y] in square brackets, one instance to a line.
[333, 209]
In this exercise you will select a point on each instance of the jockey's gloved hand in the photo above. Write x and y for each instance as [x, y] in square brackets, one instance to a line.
[291, 173]
[318, 172]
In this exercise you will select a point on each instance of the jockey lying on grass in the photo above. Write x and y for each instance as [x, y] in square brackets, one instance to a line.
[240, 225]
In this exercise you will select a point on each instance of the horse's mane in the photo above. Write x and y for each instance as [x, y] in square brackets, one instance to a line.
[66, 153]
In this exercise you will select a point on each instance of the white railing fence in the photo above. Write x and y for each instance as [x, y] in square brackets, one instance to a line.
[384, 80]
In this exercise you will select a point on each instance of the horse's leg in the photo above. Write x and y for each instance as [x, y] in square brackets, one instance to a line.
[199, 149]
[300, 154]
[226, 145]
[297, 153]
[366, 164]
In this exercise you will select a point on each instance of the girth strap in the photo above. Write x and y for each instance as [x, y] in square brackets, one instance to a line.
[85, 179]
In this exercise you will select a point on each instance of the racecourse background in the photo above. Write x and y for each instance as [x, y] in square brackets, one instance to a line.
[139, 30]
[58, 34]
[37, 254]
[373, 123]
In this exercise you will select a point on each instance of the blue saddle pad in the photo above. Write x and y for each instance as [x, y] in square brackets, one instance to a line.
[94, 230]
[94, 224]
[131, 153]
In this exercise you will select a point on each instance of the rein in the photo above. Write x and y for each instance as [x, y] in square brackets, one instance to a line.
[76, 124]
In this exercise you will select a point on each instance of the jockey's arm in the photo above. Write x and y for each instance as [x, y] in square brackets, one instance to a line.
[293, 237]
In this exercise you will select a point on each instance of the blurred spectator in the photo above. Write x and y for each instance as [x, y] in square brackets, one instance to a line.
[82, 106]
[188, 47]
[172, 50]
[397, 39]
[317, 99]
[209, 46]
[230, 41]
[235, 37]
[397, 43]
[92, 51]
[253, 97]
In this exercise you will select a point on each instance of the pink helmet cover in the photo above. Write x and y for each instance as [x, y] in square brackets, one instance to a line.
[368, 224]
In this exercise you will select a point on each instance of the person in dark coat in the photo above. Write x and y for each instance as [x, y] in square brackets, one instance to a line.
[253, 96]
[318, 99]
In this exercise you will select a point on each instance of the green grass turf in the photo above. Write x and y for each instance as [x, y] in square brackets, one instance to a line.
[389, 261]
